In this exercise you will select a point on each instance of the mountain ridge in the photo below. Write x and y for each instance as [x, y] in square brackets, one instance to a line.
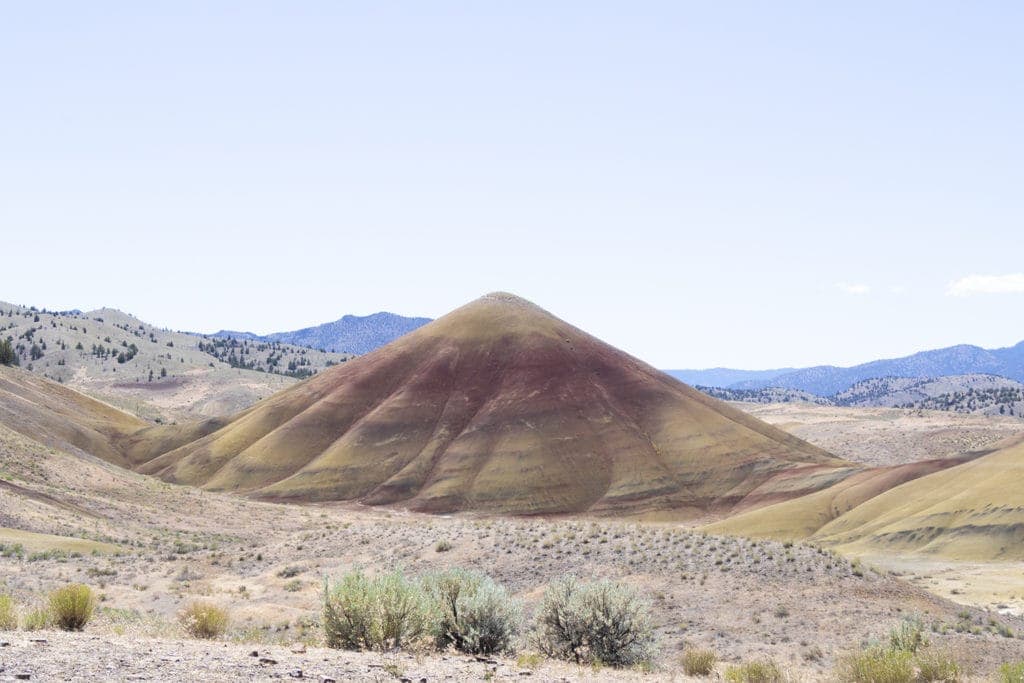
[349, 334]
[827, 380]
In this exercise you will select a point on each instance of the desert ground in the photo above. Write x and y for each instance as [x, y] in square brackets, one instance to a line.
[149, 547]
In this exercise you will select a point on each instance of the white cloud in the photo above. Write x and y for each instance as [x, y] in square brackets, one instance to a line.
[853, 289]
[986, 284]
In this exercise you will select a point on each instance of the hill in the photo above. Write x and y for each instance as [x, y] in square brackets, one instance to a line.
[152, 372]
[965, 508]
[827, 380]
[500, 406]
[349, 334]
[974, 511]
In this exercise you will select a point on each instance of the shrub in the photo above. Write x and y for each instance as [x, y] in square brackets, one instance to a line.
[908, 636]
[1012, 673]
[383, 613]
[599, 622]
[765, 671]
[71, 606]
[443, 546]
[474, 614]
[203, 620]
[699, 662]
[938, 666]
[8, 614]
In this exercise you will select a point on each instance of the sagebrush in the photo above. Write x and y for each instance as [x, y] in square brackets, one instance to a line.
[602, 622]
[472, 613]
[383, 613]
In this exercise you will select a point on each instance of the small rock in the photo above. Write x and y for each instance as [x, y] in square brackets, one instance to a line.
[22, 677]
[297, 673]
[299, 648]
[254, 653]
[325, 679]
[38, 641]
[267, 660]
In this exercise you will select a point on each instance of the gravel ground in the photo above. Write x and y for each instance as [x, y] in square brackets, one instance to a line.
[58, 656]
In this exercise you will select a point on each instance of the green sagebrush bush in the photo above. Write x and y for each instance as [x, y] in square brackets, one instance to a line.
[381, 613]
[472, 613]
[602, 622]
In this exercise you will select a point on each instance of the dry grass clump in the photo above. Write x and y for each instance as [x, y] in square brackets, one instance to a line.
[876, 665]
[8, 614]
[36, 619]
[1011, 673]
[71, 607]
[699, 662]
[472, 613]
[203, 620]
[764, 671]
[908, 658]
[938, 666]
[602, 623]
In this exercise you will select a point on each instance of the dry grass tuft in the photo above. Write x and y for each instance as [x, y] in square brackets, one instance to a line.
[203, 620]
[71, 607]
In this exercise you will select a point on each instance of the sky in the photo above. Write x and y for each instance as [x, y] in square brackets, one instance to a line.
[702, 184]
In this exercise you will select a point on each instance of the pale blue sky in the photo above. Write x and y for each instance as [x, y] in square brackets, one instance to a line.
[716, 183]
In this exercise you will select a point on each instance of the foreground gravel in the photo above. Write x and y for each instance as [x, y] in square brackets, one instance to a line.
[58, 656]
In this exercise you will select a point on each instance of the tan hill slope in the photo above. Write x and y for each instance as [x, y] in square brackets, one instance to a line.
[969, 508]
[500, 406]
[63, 418]
[155, 373]
[973, 511]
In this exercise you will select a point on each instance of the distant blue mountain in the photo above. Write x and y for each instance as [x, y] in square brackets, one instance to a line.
[350, 334]
[827, 380]
[724, 377]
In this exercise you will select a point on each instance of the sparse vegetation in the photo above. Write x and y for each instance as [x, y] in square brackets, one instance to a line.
[1011, 673]
[763, 671]
[8, 613]
[71, 607]
[603, 622]
[203, 620]
[699, 662]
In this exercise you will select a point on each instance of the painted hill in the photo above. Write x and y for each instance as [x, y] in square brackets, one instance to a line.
[62, 418]
[827, 380]
[501, 407]
[349, 334]
[974, 511]
[969, 508]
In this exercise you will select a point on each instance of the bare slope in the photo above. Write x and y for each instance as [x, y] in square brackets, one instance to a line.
[974, 511]
[500, 406]
[61, 417]
[965, 508]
